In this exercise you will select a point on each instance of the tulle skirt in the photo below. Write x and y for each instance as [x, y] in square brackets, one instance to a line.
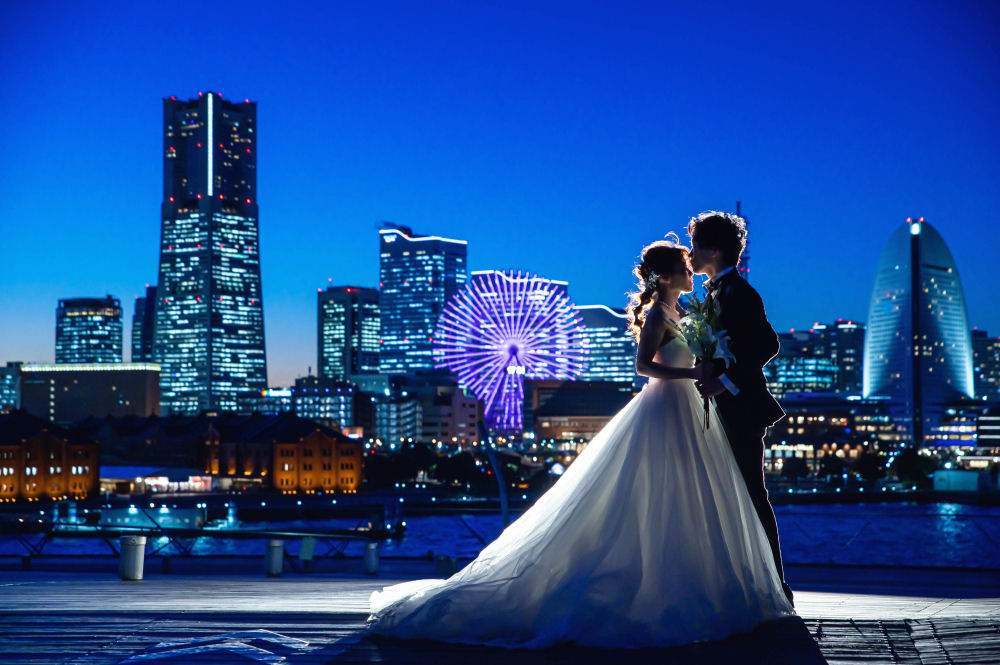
[648, 539]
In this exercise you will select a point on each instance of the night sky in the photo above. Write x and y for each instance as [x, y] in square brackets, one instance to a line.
[557, 138]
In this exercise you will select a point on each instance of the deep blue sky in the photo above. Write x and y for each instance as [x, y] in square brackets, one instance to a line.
[555, 137]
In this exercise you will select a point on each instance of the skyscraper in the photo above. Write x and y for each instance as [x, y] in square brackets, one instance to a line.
[348, 331]
[143, 321]
[89, 330]
[843, 343]
[799, 367]
[986, 365]
[417, 276]
[209, 333]
[10, 387]
[918, 350]
[610, 346]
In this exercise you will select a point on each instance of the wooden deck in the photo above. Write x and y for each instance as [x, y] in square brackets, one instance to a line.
[93, 618]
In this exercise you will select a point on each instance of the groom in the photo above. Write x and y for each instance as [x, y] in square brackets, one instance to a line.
[744, 404]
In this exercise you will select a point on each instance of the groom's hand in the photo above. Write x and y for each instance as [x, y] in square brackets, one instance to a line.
[710, 387]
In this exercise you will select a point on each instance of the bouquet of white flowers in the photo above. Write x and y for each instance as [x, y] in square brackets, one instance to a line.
[707, 342]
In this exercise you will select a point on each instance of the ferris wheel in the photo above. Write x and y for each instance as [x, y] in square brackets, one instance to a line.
[503, 328]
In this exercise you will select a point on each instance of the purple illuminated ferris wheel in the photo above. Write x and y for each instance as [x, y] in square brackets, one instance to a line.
[503, 328]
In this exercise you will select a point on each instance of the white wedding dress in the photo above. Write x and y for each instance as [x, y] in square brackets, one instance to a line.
[648, 539]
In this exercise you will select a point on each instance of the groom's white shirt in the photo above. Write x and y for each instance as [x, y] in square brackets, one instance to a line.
[725, 380]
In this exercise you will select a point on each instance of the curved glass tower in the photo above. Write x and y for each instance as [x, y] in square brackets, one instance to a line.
[918, 349]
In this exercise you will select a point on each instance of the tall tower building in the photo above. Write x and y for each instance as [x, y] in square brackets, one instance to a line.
[209, 332]
[89, 330]
[610, 346]
[417, 276]
[986, 365]
[917, 351]
[143, 321]
[348, 331]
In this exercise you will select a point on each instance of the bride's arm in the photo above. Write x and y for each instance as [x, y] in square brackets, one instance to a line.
[649, 342]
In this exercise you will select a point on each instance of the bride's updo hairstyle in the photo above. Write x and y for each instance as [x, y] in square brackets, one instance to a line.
[659, 259]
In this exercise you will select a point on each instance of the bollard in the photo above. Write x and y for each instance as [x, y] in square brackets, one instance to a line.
[307, 552]
[130, 560]
[445, 565]
[371, 558]
[275, 557]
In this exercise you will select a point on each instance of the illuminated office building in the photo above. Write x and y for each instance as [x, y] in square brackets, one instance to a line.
[143, 321]
[610, 346]
[209, 333]
[348, 331]
[89, 330]
[986, 365]
[918, 350]
[798, 368]
[418, 274]
[69, 392]
[10, 387]
[827, 358]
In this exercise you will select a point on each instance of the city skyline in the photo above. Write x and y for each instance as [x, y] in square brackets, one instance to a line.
[562, 156]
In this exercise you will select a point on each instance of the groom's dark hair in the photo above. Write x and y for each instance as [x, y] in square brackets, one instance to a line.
[722, 231]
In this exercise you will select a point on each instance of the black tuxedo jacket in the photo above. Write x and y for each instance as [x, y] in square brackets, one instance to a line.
[753, 342]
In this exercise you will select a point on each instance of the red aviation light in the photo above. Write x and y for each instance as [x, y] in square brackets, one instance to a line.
[171, 199]
[248, 151]
[248, 200]
[199, 245]
[199, 196]
[246, 101]
[921, 220]
[199, 94]
[220, 145]
[199, 144]
[172, 98]
[220, 197]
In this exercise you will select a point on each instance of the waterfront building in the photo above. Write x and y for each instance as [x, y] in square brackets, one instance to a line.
[347, 336]
[610, 346]
[816, 424]
[143, 323]
[89, 330]
[418, 274]
[268, 401]
[10, 387]
[39, 459]
[448, 413]
[798, 368]
[918, 350]
[239, 452]
[311, 459]
[324, 401]
[328, 402]
[843, 343]
[66, 393]
[209, 330]
[986, 365]
[572, 411]
[826, 358]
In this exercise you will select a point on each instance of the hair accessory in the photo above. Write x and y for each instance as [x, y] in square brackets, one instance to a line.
[652, 281]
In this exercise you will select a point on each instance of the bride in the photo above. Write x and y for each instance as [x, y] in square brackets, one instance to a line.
[648, 539]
